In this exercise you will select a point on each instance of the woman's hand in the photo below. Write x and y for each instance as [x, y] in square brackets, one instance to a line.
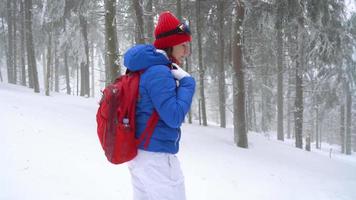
[178, 72]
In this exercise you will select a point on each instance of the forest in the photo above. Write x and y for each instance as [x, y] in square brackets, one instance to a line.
[284, 66]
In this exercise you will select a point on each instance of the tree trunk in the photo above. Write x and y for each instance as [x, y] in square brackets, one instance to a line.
[92, 69]
[298, 115]
[14, 10]
[320, 133]
[29, 64]
[52, 73]
[49, 58]
[66, 67]
[112, 67]
[82, 79]
[317, 122]
[4, 42]
[87, 80]
[354, 126]
[249, 105]
[279, 23]
[251, 113]
[342, 128]
[56, 72]
[15, 40]
[56, 67]
[44, 66]
[10, 46]
[348, 119]
[78, 66]
[30, 48]
[85, 69]
[188, 62]
[0, 76]
[140, 35]
[22, 49]
[231, 39]
[239, 91]
[221, 75]
[201, 67]
[149, 23]
[307, 142]
[264, 101]
[289, 109]
[179, 10]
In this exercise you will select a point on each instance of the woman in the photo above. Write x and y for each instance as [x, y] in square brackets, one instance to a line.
[155, 171]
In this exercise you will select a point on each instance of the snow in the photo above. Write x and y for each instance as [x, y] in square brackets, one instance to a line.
[49, 150]
[350, 8]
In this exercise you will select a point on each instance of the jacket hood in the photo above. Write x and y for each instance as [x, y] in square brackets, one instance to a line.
[144, 56]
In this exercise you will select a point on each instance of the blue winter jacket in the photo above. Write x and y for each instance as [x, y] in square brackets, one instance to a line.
[158, 90]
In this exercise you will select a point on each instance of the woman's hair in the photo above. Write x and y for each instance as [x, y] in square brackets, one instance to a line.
[169, 51]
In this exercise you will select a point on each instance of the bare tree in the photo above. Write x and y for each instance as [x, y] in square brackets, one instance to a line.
[49, 59]
[22, 44]
[299, 66]
[342, 127]
[4, 42]
[251, 111]
[56, 68]
[14, 37]
[82, 78]
[140, 35]
[85, 67]
[179, 10]
[222, 98]
[10, 46]
[317, 128]
[280, 55]
[31, 59]
[298, 114]
[149, 23]
[112, 67]
[348, 119]
[289, 106]
[92, 69]
[188, 59]
[14, 21]
[66, 68]
[240, 133]
[65, 58]
[201, 67]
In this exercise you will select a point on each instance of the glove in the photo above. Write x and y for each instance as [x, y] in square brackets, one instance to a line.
[178, 72]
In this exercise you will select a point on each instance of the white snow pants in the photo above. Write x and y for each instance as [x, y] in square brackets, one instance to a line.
[156, 176]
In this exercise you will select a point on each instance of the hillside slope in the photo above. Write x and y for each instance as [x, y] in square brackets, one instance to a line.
[49, 150]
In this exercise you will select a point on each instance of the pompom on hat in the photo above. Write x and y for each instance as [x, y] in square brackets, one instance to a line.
[170, 31]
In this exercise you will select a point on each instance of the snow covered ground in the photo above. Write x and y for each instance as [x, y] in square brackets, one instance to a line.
[49, 150]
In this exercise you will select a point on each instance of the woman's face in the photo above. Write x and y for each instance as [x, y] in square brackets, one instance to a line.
[180, 51]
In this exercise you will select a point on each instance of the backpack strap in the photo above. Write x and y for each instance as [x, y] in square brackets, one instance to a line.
[151, 123]
[147, 133]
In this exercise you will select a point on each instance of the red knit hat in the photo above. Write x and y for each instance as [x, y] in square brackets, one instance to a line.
[166, 34]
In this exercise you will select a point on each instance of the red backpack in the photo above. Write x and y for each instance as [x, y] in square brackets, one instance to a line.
[116, 119]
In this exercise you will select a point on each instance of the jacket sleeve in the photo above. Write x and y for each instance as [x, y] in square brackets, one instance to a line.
[171, 102]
